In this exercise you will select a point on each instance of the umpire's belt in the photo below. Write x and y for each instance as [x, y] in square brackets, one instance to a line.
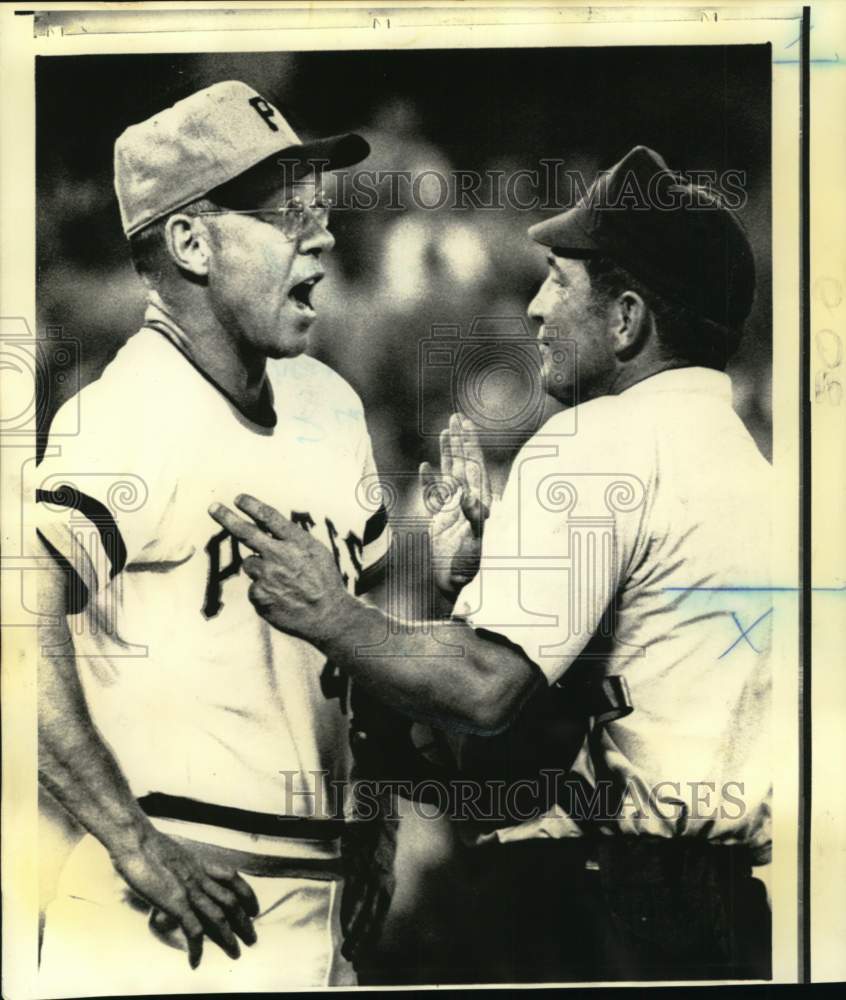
[623, 859]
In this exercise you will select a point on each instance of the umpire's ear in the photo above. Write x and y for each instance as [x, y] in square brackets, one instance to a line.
[630, 324]
[188, 244]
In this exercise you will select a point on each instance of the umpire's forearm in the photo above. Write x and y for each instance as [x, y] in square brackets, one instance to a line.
[440, 673]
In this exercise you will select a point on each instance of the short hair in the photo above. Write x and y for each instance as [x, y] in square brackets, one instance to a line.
[147, 247]
[683, 332]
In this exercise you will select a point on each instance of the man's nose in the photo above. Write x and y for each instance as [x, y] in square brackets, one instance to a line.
[316, 237]
[535, 310]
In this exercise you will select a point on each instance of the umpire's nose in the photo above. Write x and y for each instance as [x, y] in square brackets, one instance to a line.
[535, 309]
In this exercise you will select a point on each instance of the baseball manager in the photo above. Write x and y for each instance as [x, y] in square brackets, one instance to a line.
[200, 748]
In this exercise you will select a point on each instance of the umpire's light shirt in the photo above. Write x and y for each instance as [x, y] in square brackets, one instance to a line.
[645, 530]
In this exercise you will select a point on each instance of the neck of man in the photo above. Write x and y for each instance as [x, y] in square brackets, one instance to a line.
[199, 334]
[651, 361]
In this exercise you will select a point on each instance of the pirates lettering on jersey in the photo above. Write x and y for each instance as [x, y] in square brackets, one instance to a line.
[333, 535]
[217, 573]
[225, 559]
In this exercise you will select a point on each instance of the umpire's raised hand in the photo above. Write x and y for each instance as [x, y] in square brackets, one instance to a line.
[459, 499]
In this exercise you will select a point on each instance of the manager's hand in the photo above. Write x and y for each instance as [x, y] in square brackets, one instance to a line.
[200, 897]
[296, 585]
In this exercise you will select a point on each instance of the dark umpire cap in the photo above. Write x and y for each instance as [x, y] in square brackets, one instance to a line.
[676, 237]
[206, 141]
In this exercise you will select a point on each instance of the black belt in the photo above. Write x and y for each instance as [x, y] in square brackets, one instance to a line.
[159, 805]
[639, 857]
[636, 859]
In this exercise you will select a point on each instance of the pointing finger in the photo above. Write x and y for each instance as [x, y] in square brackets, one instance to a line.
[245, 532]
[265, 516]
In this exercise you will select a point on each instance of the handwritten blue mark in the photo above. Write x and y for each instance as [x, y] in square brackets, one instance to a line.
[798, 38]
[354, 415]
[815, 61]
[744, 632]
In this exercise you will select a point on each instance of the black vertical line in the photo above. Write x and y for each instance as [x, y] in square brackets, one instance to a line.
[805, 733]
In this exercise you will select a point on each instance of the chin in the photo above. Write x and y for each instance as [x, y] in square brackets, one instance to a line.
[289, 349]
[290, 342]
[560, 390]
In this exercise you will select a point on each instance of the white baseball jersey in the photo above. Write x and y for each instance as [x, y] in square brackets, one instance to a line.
[219, 722]
[642, 542]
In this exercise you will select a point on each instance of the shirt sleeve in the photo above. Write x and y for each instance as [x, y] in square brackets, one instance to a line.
[98, 500]
[558, 546]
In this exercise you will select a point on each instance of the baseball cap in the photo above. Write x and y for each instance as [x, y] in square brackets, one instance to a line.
[205, 141]
[678, 238]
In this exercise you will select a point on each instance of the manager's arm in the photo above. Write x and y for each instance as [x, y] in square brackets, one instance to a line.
[443, 673]
[74, 764]
[80, 772]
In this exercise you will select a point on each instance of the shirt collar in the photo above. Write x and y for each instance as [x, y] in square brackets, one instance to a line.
[686, 380]
[263, 413]
[156, 317]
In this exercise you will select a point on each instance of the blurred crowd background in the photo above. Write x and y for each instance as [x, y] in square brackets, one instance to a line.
[398, 272]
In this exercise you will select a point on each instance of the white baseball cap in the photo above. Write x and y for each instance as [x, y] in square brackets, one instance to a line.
[208, 139]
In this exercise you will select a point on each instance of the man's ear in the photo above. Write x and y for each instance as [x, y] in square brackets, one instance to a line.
[630, 322]
[187, 242]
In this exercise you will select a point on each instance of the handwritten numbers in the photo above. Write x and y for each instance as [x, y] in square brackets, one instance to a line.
[828, 387]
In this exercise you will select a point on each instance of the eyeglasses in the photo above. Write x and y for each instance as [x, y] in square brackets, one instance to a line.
[289, 218]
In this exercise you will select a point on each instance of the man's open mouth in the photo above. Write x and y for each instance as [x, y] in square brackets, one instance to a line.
[301, 292]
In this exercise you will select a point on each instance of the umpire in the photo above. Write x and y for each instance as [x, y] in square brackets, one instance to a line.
[632, 542]
[650, 279]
